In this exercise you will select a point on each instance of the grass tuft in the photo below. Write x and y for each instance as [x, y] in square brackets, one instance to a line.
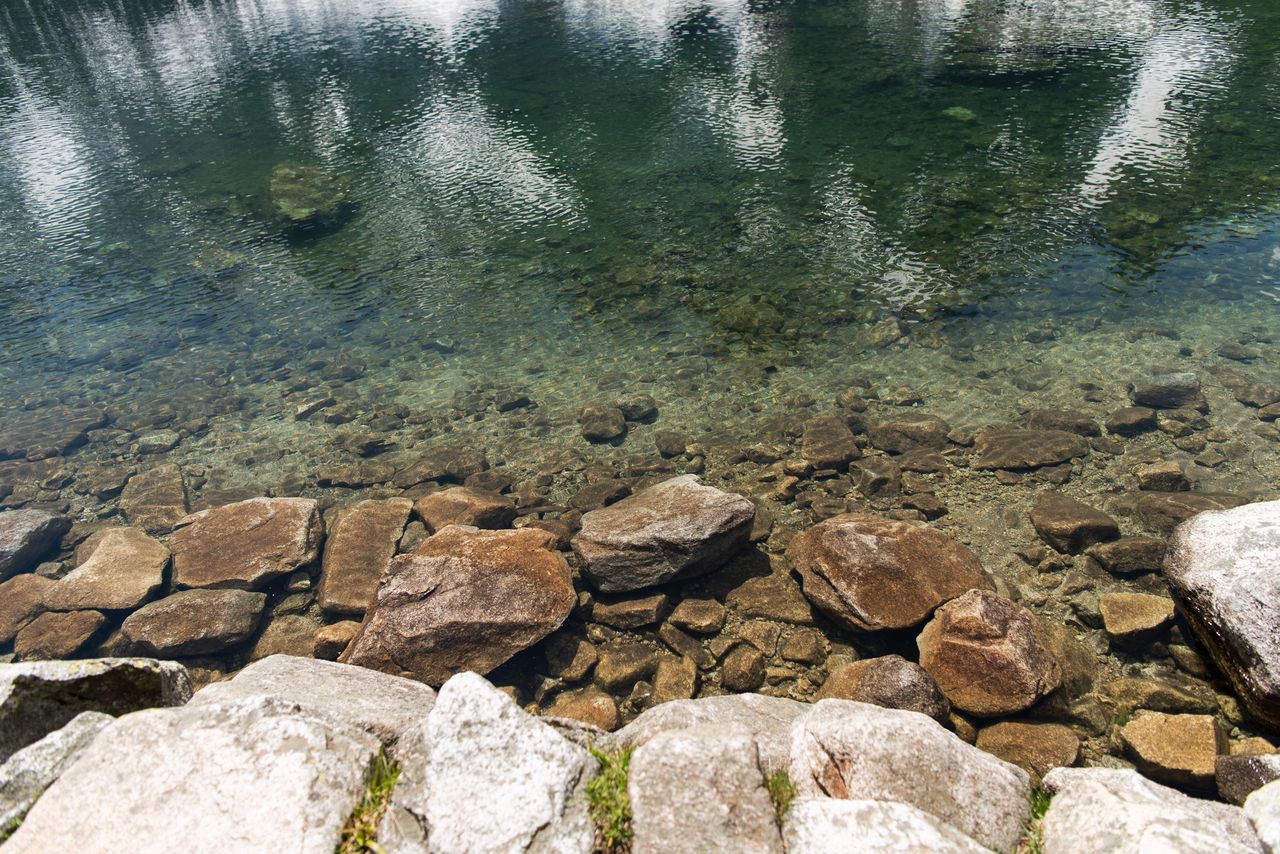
[782, 792]
[1033, 841]
[361, 832]
[609, 803]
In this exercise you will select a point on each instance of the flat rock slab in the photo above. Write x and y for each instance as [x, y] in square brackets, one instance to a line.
[357, 553]
[1069, 525]
[464, 600]
[155, 499]
[195, 622]
[377, 703]
[827, 443]
[55, 635]
[253, 775]
[870, 573]
[481, 775]
[248, 544]
[47, 432]
[1221, 567]
[678, 528]
[39, 697]
[1129, 555]
[462, 505]
[27, 773]
[21, 601]
[1134, 620]
[123, 571]
[1164, 511]
[988, 655]
[1179, 750]
[1109, 811]
[912, 433]
[856, 751]
[826, 825]
[1035, 748]
[1019, 448]
[25, 536]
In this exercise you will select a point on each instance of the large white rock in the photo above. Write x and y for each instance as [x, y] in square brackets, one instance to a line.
[769, 719]
[250, 775]
[830, 826]
[480, 775]
[1263, 809]
[701, 789]
[39, 697]
[27, 773]
[1221, 566]
[857, 751]
[377, 703]
[1110, 811]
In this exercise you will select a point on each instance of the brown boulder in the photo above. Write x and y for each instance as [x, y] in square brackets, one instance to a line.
[462, 505]
[910, 433]
[1180, 750]
[194, 622]
[890, 681]
[291, 634]
[988, 655]
[332, 639]
[155, 499]
[1129, 555]
[449, 463]
[1035, 748]
[123, 571]
[464, 600]
[246, 545]
[871, 573]
[357, 553]
[828, 443]
[21, 601]
[1070, 525]
[57, 635]
[1017, 448]
[1164, 511]
[590, 705]
[1134, 620]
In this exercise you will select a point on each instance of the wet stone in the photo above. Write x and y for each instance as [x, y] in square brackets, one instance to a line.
[47, 432]
[1237, 777]
[771, 597]
[26, 536]
[331, 640]
[1178, 750]
[589, 705]
[462, 505]
[194, 622]
[1164, 511]
[1167, 391]
[21, 601]
[828, 443]
[804, 646]
[155, 499]
[1134, 620]
[449, 463]
[1065, 420]
[1167, 476]
[602, 422]
[289, 634]
[1035, 748]
[877, 477]
[686, 646]
[889, 681]
[1017, 448]
[742, 669]
[671, 443]
[569, 658]
[637, 407]
[1069, 525]
[914, 433]
[357, 553]
[600, 494]
[675, 679]
[621, 666]
[1129, 555]
[631, 613]
[57, 635]
[248, 544]
[703, 616]
[124, 570]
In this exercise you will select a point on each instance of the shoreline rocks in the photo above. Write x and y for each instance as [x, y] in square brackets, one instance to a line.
[247, 544]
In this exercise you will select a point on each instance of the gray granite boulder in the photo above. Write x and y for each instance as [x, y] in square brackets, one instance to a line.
[25, 535]
[1221, 567]
[1110, 811]
[480, 775]
[27, 773]
[248, 775]
[829, 826]
[1263, 809]
[39, 697]
[857, 751]
[678, 528]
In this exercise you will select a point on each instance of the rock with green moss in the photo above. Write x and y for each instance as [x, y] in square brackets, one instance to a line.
[300, 193]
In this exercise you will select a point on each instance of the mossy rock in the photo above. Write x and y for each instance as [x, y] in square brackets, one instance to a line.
[301, 193]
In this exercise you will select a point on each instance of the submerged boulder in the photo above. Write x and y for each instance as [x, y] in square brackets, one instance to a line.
[124, 570]
[247, 544]
[869, 573]
[1020, 448]
[300, 193]
[890, 681]
[676, 529]
[195, 622]
[1221, 567]
[464, 600]
[21, 601]
[25, 536]
[357, 553]
[155, 499]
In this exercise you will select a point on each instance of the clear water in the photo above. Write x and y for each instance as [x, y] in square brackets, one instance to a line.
[573, 196]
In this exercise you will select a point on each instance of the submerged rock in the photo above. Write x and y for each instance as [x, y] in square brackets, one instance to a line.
[1180, 750]
[464, 600]
[890, 681]
[1167, 391]
[195, 622]
[911, 433]
[56, 635]
[1237, 777]
[825, 825]
[1221, 567]
[462, 505]
[300, 193]
[1135, 619]
[676, 529]
[1164, 511]
[602, 422]
[155, 499]
[870, 573]
[124, 570]
[828, 443]
[25, 536]
[248, 544]
[1018, 448]
[21, 601]
[1035, 748]
[1069, 525]
[357, 554]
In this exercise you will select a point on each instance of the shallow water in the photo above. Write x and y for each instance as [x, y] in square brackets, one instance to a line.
[741, 208]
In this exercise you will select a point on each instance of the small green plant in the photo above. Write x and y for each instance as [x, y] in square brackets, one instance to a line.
[1033, 841]
[361, 832]
[782, 792]
[609, 803]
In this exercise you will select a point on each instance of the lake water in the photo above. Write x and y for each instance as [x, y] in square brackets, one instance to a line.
[969, 207]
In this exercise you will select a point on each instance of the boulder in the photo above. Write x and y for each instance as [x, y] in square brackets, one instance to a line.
[602, 422]
[742, 669]
[701, 789]
[890, 681]
[123, 571]
[21, 601]
[1167, 391]
[1164, 511]
[1167, 476]
[464, 600]
[1131, 420]
[302, 193]
[39, 697]
[827, 443]
[462, 505]
[253, 775]
[27, 773]
[877, 477]
[25, 536]
[155, 499]
[826, 825]
[246, 545]
[1069, 525]
[332, 639]
[590, 706]
[46, 432]
[1180, 750]
[622, 665]
[286, 634]
[195, 622]
[703, 616]
[1237, 777]
[1221, 567]
[445, 464]
[988, 655]
[769, 719]
[1134, 620]
[678, 528]
[54, 635]
[1129, 555]
[1263, 809]
[1035, 748]
[1018, 448]
[481, 775]
[1066, 420]
[1110, 811]
[870, 573]
[856, 751]
[631, 612]
[910, 433]
[376, 703]
[770, 597]
[357, 552]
